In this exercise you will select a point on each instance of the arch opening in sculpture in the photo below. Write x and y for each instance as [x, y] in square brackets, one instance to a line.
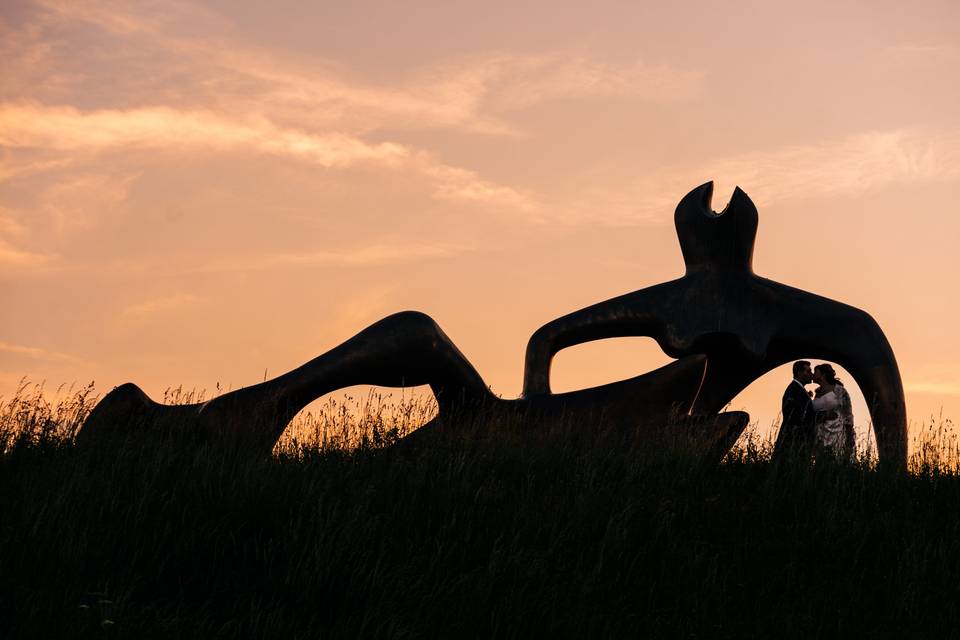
[763, 397]
[600, 362]
[362, 413]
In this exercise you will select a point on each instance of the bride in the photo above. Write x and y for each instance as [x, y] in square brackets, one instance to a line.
[834, 414]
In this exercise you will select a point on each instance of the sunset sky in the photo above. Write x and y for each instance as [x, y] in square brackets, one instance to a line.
[203, 193]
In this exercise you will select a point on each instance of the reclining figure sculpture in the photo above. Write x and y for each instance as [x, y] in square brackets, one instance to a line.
[725, 325]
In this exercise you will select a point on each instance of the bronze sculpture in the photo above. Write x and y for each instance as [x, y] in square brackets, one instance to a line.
[745, 325]
[726, 325]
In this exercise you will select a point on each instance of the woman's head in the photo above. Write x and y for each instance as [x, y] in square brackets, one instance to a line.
[824, 374]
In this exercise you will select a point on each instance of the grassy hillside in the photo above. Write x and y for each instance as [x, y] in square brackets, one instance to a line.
[486, 532]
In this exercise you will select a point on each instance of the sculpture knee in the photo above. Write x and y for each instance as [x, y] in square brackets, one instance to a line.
[418, 325]
[124, 400]
[117, 411]
[413, 318]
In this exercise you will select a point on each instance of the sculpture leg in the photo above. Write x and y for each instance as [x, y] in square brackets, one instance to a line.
[404, 349]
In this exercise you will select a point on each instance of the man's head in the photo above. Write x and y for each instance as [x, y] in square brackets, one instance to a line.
[802, 372]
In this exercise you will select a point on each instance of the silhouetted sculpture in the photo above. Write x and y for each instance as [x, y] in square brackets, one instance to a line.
[745, 325]
[726, 326]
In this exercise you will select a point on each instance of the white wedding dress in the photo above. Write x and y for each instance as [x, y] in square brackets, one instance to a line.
[834, 414]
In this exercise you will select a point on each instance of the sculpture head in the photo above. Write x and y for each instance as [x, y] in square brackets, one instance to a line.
[716, 240]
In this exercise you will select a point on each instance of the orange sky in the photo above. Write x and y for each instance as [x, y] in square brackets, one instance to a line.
[193, 193]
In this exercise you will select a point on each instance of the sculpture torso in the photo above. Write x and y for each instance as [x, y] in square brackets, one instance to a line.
[714, 311]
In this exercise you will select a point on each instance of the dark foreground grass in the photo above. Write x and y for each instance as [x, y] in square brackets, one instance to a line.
[484, 533]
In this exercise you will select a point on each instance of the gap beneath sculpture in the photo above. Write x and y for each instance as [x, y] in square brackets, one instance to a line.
[764, 425]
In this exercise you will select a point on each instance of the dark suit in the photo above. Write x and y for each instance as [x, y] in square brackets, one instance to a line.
[797, 431]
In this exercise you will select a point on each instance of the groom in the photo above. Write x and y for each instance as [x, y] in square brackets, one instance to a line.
[797, 429]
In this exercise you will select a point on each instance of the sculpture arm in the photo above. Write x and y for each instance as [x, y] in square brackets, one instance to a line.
[634, 314]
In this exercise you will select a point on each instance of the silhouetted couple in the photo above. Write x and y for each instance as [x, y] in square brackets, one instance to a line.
[815, 423]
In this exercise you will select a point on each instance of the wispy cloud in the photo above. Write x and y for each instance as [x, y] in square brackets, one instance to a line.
[10, 227]
[146, 309]
[81, 200]
[12, 235]
[370, 256]
[11, 169]
[173, 131]
[933, 387]
[12, 256]
[360, 308]
[35, 352]
[848, 166]
[912, 53]
[67, 129]
[841, 167]
[453, 183]
[118, 18]
[466, 92]
[231, 96]
[933, 378]
[518, 82]
[219, 94]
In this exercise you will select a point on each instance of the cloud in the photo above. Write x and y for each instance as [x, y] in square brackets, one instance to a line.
[13, 233]
[80, 201]
[219, 94]
[936, 378]
[12, 256]
[842, 167]
[453, 183]
[519, 82]
[27, 55]
[54, 208]
[10, 227]
[69, 129]
[850, 165]
[907, 53]
[376, 255]
[467, 92]
[35, 352]
[32, 233]
[66, 128]
[148, 308]
[371, 256]
[360, 308]
[11, 170]
[934, 387]
[116, 18]
[223, 95]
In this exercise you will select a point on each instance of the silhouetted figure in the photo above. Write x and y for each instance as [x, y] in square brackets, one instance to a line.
[834, 415]
[797, 429]
[725, 325]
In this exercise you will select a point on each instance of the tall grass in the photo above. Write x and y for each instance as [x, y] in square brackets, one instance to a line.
[375, 420]
[489, 531]
[29, 416]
